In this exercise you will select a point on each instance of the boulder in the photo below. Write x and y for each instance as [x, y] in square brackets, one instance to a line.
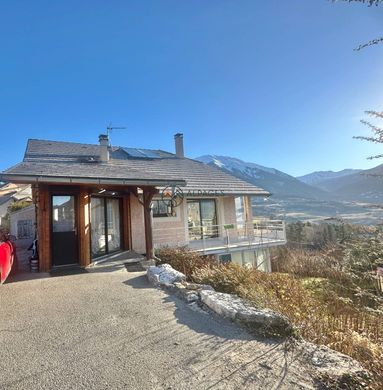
[164, 275]
[260, 321]
[334, 369]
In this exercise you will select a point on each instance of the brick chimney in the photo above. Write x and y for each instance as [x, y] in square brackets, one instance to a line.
[104, 147]
[179, 143]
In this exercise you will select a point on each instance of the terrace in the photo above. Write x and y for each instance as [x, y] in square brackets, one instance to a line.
[219, 239]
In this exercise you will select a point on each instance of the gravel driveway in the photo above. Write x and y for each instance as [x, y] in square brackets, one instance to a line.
[111, 330]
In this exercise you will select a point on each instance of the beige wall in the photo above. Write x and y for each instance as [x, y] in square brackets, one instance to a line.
[228, 204]
[166, 230]
[137, 225]
[171, 230]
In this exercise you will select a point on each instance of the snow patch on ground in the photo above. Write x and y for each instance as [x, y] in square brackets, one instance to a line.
[164, 275]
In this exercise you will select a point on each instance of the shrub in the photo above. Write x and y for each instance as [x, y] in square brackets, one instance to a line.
[182, 259]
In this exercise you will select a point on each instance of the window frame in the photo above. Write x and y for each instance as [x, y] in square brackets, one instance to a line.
[172, 214]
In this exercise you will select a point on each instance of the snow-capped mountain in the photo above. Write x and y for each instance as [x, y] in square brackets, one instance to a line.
[280, 184]
[336, 196]
[315, 178]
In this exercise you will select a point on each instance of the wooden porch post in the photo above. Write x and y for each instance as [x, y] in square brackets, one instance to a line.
[43, 205]
[84, 227]
[147, 199]
[127, 223]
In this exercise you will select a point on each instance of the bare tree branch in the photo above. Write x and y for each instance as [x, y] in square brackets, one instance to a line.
[368, 2]
[376, 114]
[370, 43]
[377, 138]
[373, 157]
[377, 130]
[370, 139]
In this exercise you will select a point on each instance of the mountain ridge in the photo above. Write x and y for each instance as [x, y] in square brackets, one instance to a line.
[317, 177]
[351, 197]
[278, 183]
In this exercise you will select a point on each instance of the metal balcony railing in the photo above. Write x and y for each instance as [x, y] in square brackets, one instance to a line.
[212, 239]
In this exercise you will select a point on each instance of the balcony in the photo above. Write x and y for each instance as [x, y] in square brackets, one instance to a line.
[219, 239]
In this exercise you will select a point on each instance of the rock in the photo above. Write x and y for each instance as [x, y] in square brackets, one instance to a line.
[164, 275]
[192, 286]
[184, 293]
[206, 287]
[264, 321]
[225, 305]
[190, 296]
[327, 360]
[260, 321]
[333, 368]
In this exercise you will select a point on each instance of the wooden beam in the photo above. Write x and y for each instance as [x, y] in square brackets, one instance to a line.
[43, 203]
[126, 223]
[84, 227]
[148, 194]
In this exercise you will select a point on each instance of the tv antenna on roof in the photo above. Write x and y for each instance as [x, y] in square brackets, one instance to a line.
[110, 128]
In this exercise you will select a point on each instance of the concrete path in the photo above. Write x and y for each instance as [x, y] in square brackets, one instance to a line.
[111, 330]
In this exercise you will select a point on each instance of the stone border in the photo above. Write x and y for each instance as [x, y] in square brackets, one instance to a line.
[333, 369]
[259, 321]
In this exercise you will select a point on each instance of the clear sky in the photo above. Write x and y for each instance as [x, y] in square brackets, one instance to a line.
[274, 82]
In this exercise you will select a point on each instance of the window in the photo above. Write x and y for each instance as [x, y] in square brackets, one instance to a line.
[25, 229]
[202, 219]
[225, 259]
[162, 208]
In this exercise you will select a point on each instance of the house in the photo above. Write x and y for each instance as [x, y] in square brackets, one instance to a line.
[22, 224]
[11, 193]
[94, 200]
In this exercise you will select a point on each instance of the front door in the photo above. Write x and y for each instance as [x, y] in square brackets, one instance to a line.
[64, 230]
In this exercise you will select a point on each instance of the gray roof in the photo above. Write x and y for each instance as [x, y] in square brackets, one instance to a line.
[77, 163]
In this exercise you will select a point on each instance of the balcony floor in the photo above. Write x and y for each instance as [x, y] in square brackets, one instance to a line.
[218, 246]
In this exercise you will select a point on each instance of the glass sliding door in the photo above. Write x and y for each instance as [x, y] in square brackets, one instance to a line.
[113, 224]
[105, 225]
[202, 219]
[97, 220]
[194, 220]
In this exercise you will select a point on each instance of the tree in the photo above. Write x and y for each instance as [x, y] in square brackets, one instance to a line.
[377, 131]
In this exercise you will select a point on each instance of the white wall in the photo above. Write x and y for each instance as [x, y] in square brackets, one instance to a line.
[25, 214]
[259, 259]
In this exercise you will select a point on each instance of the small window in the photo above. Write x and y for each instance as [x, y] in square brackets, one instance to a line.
[162, 208]
[25, 229]
[225, 259]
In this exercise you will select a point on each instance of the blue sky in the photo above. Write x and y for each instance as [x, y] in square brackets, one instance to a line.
[272, 82]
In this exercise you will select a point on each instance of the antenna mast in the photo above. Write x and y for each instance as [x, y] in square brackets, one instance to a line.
[110, 128]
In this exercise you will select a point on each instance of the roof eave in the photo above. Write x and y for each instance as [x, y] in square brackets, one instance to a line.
[217, 195]
[35, 179]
